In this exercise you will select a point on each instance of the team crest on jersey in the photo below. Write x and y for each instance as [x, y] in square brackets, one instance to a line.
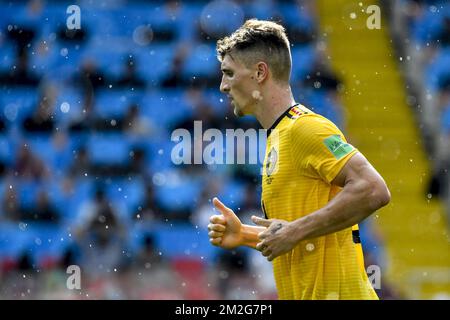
[271, 163]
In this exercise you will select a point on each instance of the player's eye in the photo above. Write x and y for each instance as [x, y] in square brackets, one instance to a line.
[227, 73]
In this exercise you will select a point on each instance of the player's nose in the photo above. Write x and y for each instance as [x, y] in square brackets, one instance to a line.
[224, 87]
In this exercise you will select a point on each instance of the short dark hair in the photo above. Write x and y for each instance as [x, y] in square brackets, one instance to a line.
[259, 40]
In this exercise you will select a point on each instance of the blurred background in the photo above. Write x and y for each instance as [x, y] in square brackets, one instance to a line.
[86, 117]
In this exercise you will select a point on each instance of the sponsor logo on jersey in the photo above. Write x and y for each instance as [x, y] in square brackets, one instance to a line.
[337, 147]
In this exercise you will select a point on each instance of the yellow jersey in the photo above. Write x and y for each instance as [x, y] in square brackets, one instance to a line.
[304, 153]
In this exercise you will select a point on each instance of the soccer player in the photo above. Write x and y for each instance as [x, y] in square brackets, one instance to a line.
[316, 187]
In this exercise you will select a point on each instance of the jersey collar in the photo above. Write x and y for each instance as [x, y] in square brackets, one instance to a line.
[273, 126]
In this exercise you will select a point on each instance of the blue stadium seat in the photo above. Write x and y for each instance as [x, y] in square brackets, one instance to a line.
[47, 242]
[42, 147]
[159, 154]
[296, 17]
[27, 192]
[232, 194]
[166, 107]
[109, 149]
[154, 62]
[425, 29]
[184, 240]
[130, 192]
[84, 189]
[68, 106]
[303, 59]
[56, 157]
[19, 15]
[202, 61]
[174, 240]
[437, 69]
[6, 150]
[115, 104]
[57, 197]
[8, 54]
[45, 58]
[109, 54]
[321, 102]
[218, 100]
[17, 103]
[14, 240]
[262, 10]
[54, 16]
[177, 192]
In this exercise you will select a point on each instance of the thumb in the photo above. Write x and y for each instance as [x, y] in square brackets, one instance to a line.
[261, 221]
[227, 212]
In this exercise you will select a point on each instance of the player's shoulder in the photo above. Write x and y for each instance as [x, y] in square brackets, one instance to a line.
[305, 122]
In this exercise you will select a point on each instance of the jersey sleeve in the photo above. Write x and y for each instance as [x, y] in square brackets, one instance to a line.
[319, 149]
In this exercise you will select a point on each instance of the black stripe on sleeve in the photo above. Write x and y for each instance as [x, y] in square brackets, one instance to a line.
[356, 237]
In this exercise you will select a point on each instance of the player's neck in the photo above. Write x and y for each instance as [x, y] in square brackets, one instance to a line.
[273, 105]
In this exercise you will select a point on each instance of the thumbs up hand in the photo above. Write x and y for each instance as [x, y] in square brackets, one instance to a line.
[225, 230]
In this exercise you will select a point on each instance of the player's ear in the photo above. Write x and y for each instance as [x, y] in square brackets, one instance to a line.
[262, 71]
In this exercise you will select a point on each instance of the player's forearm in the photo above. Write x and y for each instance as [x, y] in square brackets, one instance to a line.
[353, 204]
[250, 235]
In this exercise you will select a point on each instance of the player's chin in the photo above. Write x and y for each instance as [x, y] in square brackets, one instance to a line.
[238, 112]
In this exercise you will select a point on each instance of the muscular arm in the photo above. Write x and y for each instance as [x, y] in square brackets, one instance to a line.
[364, 191]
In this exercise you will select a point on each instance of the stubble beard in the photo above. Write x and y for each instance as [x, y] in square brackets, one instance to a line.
[237, 110]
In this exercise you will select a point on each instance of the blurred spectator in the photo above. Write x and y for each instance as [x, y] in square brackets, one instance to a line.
[175, 77]
[136, 125]
[322, 77]
[81, 164]
[90, 77]
[130, 78]
[101, 235]
[138, 161]
[11, 204]
[149, 210]
[251, 204]
[84, 120]
[203, 111]
[2, 124]
[204, 209]
[20, 74]
[28, 166]
[443, 36]
[148, 256]
[234, 267]
[88, 80]
[42, 118]
[44, 211]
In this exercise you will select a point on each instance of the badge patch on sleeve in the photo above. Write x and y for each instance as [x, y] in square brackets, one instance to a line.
[338, 147]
